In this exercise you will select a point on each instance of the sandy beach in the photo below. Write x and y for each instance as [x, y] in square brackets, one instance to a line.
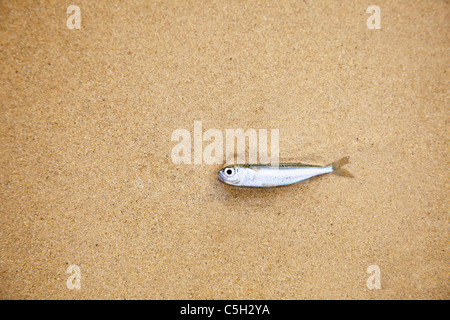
[90, 194]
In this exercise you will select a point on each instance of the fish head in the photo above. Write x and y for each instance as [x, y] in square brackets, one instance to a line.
[233, 175]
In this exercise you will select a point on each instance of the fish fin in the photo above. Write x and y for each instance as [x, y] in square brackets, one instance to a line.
[337, 167]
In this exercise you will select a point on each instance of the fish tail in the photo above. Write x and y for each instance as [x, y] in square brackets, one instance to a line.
[337, 167]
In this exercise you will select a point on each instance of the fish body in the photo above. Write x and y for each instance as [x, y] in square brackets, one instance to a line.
[272, 176]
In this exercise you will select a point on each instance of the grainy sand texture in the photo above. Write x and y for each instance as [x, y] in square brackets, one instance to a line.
[88, 184]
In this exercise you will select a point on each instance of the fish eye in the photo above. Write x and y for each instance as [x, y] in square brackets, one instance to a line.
[229, 171]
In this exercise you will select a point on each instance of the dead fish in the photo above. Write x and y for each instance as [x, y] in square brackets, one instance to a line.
[256, 175]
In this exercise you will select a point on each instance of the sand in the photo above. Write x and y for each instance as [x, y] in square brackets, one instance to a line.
[87, 178]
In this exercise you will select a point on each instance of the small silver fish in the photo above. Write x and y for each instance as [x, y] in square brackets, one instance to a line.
[254, 175]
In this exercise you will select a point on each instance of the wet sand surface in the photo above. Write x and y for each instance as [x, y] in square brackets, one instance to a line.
[87, 177]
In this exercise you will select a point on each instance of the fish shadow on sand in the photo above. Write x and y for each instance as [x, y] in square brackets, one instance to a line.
[299, 189]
